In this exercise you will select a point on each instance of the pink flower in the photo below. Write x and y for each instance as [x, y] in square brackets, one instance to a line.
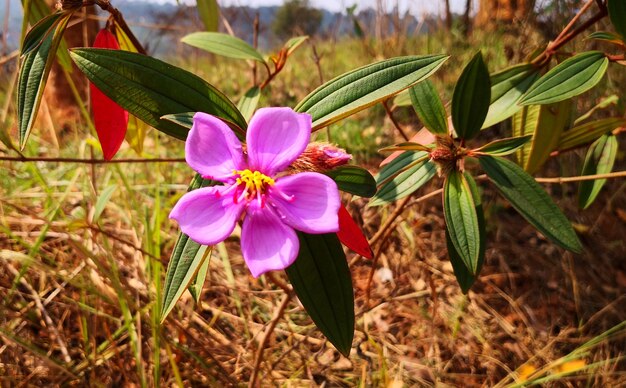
[273, 205]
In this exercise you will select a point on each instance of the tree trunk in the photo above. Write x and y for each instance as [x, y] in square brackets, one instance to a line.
[448, 16]
[466, 17]
[492, 13]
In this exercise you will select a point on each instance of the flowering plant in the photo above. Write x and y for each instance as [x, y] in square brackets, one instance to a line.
[272, 202]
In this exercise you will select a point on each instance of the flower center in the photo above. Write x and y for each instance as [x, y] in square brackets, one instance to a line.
[252, 185]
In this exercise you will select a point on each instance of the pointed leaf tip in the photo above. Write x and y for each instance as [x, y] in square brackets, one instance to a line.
[470, 101]
[531, 201]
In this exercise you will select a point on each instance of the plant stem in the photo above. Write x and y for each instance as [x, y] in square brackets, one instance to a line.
[393, 120]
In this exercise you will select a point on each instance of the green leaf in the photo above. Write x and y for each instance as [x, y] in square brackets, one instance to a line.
[545, 123]
[195, 287]
[503, 147]
[588, 132]
[507, 86]
[463, 276]
[402, 177]
[570, 78]
[185, 262]
[321, 279]
[606, 102]
[607, 37]
[354, 180]
[599, 160]
[459, 212]
[103, 199]
[39, 31]
[406, 146]
[33, 76]
[249, 101]
[292, 44]
[617, 14]
[209, 13]
[149, 88]
[470, 101]
[429, 107]
[184, 119]
[366, 86]
[224, 45]
[38, 10]
[531, 201]
[402, 99]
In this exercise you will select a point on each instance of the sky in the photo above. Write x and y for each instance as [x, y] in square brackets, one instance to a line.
[416, 7]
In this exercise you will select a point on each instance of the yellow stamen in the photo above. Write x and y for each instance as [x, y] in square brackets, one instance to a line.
[255, 181]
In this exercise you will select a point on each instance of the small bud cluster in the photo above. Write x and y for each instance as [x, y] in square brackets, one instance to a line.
[447, 155]
[321, 157]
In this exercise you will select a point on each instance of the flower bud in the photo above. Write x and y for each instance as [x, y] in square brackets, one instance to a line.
[321, 157]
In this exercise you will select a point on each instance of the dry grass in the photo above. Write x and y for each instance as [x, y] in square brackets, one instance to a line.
[80, 275]
[77, 295]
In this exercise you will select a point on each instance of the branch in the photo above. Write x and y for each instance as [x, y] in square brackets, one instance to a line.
[565, 37]
[561, 180]
[92, 161]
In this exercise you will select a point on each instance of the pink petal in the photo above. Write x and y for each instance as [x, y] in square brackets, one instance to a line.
[266, 243]
[308, 201]
[207, 216]
[212, 149]
[276, 137]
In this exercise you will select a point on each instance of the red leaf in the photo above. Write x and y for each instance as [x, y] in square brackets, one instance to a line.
[109, 118]
[351, 235]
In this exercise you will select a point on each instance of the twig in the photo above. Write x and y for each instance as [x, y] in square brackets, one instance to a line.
[390, 220]
[43, 312]
[576, 17]
[119, 19]
[258, 358]
[91, 161]
[561, 180]
[563, 39]
[393, 120]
